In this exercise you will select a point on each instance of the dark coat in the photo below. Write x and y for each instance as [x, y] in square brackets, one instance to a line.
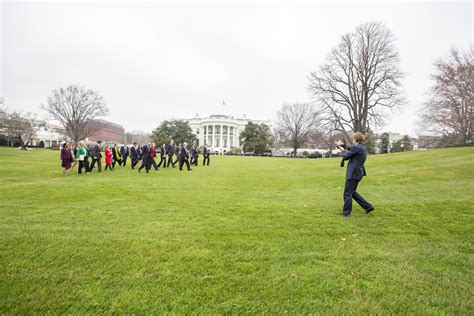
[134, 153]
[194, 152]
[205, 152]
[170, 149]
[356, 154]
[162, 152]
[116, 153]
[95, 152]
[124, 151]
[146, 152]
[140, 153]
[66, 158]
[184, 154]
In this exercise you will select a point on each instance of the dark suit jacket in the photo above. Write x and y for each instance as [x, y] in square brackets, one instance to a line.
[184, 154]
[205, 152]
[146, 152]
[170, 149]
[162, 152]
[134, 153]
[95, 152]
[356, 154]
[194, 152]
[124, 151]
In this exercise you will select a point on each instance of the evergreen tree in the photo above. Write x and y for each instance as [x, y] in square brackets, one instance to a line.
[256, 137]
[178, 130]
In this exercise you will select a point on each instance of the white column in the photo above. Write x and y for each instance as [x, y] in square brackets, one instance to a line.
[228, 136]
[213, 136]
[236, 138]
[220, 142]
[201, 135]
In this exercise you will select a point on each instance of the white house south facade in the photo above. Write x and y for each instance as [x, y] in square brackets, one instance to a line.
[220, 132]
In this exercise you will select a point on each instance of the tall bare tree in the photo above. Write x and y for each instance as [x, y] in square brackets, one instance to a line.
[450, 108]
[75, 108]
[360, 82]
[296, 123]
[18, 127]
[325, 137]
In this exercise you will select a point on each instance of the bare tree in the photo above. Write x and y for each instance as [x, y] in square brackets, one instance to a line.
[359, 83]
[296, 123]
[75, 108]
[450, 109]
[326, 136]
[19, 127]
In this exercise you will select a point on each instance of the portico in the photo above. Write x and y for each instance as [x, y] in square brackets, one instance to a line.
[220, 132]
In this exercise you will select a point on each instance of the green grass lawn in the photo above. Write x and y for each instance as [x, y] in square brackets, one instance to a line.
[245, 235]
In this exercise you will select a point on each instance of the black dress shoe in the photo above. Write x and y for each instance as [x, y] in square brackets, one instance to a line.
[367, 211]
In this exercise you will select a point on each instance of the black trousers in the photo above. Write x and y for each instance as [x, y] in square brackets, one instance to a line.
[83, 165]
[206, 158]
[170, 161]
[350, 193]
[163, 160]
[124, 160]
[146, 163]
[134, 162]
[194, 161]
[99, 164]
[184, 161]
[153, 163]
[119, 162]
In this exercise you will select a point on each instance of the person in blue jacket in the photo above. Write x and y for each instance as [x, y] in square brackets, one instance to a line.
[356, 154]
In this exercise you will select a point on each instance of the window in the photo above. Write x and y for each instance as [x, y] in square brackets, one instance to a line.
[197, 131]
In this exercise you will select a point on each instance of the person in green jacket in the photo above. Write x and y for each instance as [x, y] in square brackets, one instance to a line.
[82, 157]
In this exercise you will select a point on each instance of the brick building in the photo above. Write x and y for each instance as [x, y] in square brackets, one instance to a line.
[108, 132]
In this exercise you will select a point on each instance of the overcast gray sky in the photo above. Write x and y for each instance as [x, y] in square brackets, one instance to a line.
[155, 61]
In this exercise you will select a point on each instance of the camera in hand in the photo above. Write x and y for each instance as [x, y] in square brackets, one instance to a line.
[343, 146]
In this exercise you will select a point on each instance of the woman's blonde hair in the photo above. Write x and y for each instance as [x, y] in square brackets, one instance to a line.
[359, 137]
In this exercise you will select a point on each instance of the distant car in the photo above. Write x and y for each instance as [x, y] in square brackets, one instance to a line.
[279, 154]
[213, 152]
[249, 153]
[315, 155]
[265, 153]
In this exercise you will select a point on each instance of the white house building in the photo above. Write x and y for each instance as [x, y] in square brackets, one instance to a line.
[220, 132]
[47, 135]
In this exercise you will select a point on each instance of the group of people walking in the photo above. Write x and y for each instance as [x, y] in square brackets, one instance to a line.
[90, 155]
[356, 154]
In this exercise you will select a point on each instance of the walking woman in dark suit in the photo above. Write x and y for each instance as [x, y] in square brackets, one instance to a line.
[163, 156]
[184, 157]
[205, 154]
[356, 154]
[66, 158]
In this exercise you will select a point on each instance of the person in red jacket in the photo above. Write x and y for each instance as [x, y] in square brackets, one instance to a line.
[108, 158]
[153, 156]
